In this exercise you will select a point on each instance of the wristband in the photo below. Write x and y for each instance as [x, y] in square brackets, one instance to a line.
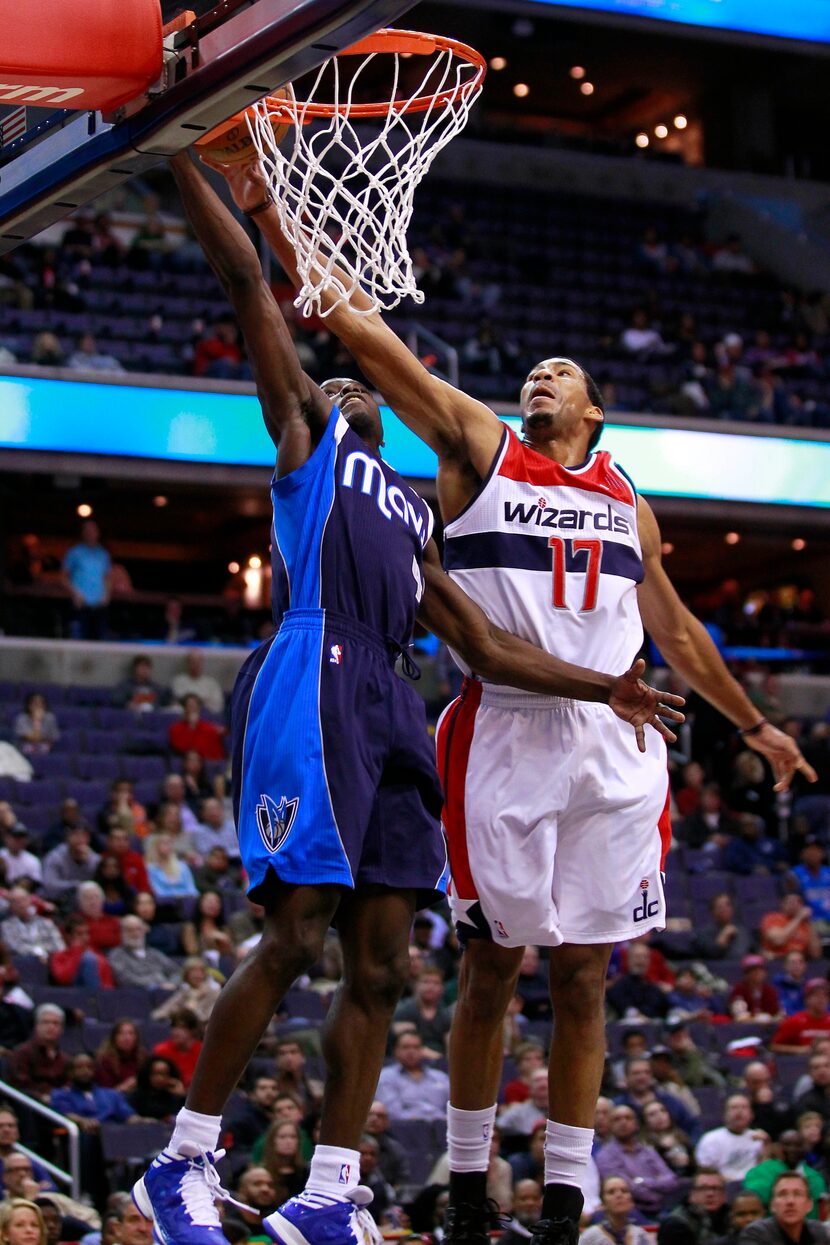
[754, 730]
[260, 207]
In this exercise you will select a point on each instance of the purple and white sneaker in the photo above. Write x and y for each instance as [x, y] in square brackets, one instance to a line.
[323, 1219]
[179, 1194]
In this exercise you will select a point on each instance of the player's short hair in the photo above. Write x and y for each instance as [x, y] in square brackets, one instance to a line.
[596, 399]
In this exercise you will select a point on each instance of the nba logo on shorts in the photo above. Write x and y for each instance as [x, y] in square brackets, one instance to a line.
[500, 930]
[336, 651]
[345, 1172]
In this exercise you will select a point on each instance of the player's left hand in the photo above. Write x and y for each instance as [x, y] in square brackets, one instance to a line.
[783, 754]
[635, 702]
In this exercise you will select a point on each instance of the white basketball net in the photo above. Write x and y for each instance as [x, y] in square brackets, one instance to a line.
[345, 191]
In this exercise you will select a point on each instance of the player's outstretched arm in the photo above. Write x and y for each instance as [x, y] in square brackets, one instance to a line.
[688, 648]
[295, 410]
[452, 423]
[501, 657]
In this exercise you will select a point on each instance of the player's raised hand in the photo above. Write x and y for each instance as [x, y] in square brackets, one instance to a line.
[783, 754]
[246, 179]
[635, 702]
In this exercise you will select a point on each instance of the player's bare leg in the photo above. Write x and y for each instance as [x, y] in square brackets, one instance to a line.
[577, 1057]
[486, 985]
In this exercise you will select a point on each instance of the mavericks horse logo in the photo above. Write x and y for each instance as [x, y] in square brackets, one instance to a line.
[275, 820]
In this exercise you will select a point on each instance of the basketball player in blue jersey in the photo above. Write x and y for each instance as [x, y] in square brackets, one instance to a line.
[336, 790]
[550, 537]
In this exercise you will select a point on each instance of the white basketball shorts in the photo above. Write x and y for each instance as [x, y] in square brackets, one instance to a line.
[557, 825]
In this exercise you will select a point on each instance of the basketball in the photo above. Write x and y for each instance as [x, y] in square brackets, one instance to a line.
[231, 142]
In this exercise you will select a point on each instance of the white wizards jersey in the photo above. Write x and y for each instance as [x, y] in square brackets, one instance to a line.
[552, 554]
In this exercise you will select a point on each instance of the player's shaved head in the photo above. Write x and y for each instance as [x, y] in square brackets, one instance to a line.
[358, 406]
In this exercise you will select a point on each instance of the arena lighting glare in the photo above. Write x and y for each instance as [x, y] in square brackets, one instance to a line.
[680, 122]
[498, 62]
[732, 538]
[799, 544]
[666, 548]
[641, 140]
[521, 89]
[84, 511]
[254, 562]
[160, 501]
[577, 72]
[587, 88]
[661, 131]
[233, 568]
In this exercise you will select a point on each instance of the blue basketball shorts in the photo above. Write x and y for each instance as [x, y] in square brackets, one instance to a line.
[334, 777]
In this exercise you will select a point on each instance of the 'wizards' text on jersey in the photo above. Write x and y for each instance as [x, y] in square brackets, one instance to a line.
[348, 536]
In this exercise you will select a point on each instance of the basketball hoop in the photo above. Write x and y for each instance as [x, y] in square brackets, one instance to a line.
[345, 195]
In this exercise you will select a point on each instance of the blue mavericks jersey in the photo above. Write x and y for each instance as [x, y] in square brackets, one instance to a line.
[348, 536]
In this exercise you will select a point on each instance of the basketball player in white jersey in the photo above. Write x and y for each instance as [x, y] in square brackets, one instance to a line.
[557, 825]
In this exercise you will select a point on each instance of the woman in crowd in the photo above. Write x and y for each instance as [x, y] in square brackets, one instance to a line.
[21, 1223]
[671, 1143]
[36, 728]
[119, 1058]
[198, 992]
[170, 877]
[282, 1156]
[118, 894]
[159, 1093]
[617, 1225]
[206, 934]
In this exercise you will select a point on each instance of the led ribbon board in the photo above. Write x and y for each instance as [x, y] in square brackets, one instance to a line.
[185, 425]
[796, 19]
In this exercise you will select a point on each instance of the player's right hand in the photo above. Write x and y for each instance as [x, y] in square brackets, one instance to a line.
[246, 180]
[635, 702]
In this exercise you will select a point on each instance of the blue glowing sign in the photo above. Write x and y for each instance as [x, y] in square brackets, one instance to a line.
[794, 19]
[180, 424]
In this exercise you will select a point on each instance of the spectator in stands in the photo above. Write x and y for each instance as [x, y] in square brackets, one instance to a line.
[69, 864]
[633, 996]
[104, 930]
[282, 1156]
[393, 1158]
[730, 258]
[158, 935]
[425, 1014]
[217, 872]
[745, 1209]
[136, 964]
[21, 1223]
[648, 1177]
[372, 1177]
[249, 1116]
[79, 964]
[118, 895]
[131, 1228]
[196, 782]
[193, 680]
[668, 1081]
[219, 354]
[734, 1147]
[9, 1142]
[768, 1113]
[602, 1121]
[26, 933]
[86, 357]
[19, 862]
[749, 850]
[790, 983]
[810, 1125]
[616, 1225]
[702, 1217]
[123, 813]
[170, 877]
[690, 999]
[710, 818]
[753, 996]
[817, 1096]
[168, 820]
[641, 338]
[88, 1104]
[254, 1199]
[529, 1057]
[139, 692]
[39, 1065]
[694, 1066]
[216, 829]
[87, 569]
[69, 818]
[159, 1093]
[15, 1024]
[798, 1031]
[183, 1045]
[670, 1142]
[47, 351]
[641, 1089]
[519, 1118]
[173, 791]
[634, 1043]
[527, 1210]
[197, 993]
[149, 244]
[410, 1090]
[193, 733]
[207, 934]
[532, 986]
[761, 1178]
[813, 876]
[36, 728]
[119, 1057]
[292, 1076]
[790, 1206]
[489, 353]
[724, 938]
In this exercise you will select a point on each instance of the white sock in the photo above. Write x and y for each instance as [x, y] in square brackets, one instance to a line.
[334, 1170]
[201, 1130]
[567, 1151]
[469, 1134]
